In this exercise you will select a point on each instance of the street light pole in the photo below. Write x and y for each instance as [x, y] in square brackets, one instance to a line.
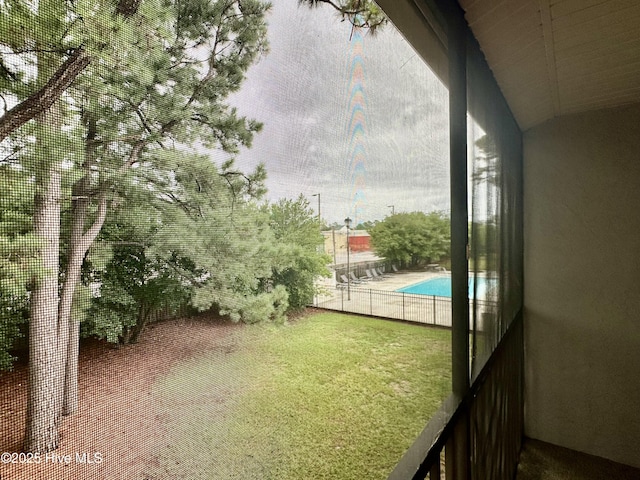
[393, 209]
[318, 195]
[320, 225]
[333, 237]
[347, 222]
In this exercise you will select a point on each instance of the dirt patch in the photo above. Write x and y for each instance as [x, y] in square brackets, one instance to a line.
[117, 426]
[402, 388]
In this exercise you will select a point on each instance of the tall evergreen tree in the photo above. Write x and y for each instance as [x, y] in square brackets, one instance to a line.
[155, 74]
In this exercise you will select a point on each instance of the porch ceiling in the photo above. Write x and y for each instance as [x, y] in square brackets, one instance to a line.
[556, 57]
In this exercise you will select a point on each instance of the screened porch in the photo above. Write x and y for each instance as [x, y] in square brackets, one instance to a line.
[555, 87]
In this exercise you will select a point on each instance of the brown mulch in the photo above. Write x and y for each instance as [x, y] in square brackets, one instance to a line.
[117, 418]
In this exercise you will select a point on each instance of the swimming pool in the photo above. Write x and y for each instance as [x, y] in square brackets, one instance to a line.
[441, 287]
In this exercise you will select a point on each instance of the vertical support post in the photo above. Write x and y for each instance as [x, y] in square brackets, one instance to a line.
[434, 473]
[403, 316]
[370, 303]
[459, 212]
[435, 318]
[457, 451]
[457, 52]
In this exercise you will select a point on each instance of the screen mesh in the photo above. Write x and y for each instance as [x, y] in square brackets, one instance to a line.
[160, 241]
[495, 208]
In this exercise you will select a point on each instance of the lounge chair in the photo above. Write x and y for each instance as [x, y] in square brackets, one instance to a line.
[381, 273]
[376, 275]
[367, 276]
[355, 279]
[373, 274]
[346, 280]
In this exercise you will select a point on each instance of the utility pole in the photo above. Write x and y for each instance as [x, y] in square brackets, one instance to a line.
[318, 195]
[347, 222]
[333, 236]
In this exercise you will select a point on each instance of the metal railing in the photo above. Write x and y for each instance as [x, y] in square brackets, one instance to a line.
[411, 307]
[482, 430]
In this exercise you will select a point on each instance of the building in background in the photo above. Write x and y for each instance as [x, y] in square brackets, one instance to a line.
[335, 242]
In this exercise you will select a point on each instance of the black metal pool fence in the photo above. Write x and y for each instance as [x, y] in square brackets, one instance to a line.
[411, 307]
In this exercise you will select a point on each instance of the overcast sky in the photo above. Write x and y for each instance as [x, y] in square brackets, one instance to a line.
[359, 119]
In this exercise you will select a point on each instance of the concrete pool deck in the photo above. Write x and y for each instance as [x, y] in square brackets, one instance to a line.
[403, 279]
[394, 281]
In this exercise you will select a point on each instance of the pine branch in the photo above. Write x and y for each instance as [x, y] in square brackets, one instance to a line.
[41, 100]
[360, 13]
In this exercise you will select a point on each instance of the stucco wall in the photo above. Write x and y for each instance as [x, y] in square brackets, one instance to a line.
[582, 283]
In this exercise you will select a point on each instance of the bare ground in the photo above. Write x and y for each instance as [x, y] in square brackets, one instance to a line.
[117, 418]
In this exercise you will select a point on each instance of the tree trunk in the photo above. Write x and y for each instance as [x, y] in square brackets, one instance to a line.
[69, 336]
[79, 243]
[41, 424]
[71, 397]
[50, 329]
[143, 318]
[132, 334]
[45, 361]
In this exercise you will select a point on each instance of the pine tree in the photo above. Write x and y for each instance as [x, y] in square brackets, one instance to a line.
[115, 85]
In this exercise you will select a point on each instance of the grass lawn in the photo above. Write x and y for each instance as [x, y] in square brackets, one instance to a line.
[329, 396]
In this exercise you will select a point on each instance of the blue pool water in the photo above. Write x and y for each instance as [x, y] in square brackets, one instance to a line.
[441, 287]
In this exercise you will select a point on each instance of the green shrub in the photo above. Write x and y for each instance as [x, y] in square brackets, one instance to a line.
[268, 306]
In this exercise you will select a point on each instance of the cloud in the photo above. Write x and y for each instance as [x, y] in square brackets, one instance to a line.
[303, 92]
